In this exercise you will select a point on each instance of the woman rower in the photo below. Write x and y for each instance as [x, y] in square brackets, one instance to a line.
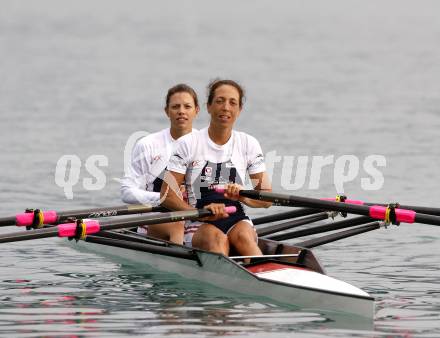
[218, 155]
[150, 157]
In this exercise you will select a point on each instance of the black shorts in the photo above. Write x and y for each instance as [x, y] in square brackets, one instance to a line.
[226, 224]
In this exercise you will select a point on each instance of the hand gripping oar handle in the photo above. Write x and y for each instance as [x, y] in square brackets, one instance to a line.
[93, 226]
[221, 189]
[376, 211]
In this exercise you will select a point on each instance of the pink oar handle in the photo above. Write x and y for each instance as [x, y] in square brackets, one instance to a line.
[354, 202]
[220, 189]
[402, 215]
[231, 209]
[27, 218]
[69, 229]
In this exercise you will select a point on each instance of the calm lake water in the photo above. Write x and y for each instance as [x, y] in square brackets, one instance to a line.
[340, 78]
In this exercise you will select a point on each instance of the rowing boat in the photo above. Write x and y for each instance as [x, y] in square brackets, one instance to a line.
[286, 274]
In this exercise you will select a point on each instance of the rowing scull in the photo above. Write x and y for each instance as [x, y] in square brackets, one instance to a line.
[288, 274]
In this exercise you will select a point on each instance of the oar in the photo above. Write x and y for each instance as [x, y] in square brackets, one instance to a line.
[37, 217]
[80, 229]
[312, 243]
[346, 223]
[292, 224]
[423, 210]
[284, 215]
[376, 211]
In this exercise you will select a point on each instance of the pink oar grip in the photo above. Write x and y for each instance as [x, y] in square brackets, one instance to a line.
[402, 215]
[220, 189]
[377, 212]
[346, 201]
[69, 229]
[231, 209]
[405, 216]
[354, 202]
[26, 219]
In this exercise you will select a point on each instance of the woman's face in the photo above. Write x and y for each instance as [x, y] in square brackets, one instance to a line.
[225, 106]
[181, 110]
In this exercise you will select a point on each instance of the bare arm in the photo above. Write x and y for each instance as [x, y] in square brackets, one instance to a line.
[170, 195]
[260, 181]
[172, 198]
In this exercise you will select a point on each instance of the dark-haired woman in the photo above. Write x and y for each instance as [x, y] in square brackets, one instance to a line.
[218, 155]
[150, 156]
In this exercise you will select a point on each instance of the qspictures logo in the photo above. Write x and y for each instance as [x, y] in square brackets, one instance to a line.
[289, 172]
[69, 168]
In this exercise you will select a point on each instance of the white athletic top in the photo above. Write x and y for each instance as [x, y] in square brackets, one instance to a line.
[150, 156]
[205, 163]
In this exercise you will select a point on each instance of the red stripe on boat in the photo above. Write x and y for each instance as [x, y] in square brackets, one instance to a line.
[270, 266]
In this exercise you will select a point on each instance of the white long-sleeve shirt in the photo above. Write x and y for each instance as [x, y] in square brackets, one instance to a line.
[142, 181]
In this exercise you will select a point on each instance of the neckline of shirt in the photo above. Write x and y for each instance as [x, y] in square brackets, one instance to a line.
[216, 146]
[170, 137]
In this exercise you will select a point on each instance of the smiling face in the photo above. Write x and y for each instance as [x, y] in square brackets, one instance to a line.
[181, 110]
[225, 106]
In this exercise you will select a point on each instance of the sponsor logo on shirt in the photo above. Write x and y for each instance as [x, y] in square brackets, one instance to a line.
[197, 164]
[176, 158]
[156, 158]
[208, 171]
[259, 160]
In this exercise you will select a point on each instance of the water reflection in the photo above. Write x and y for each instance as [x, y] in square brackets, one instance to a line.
[125, 301]
[47, 289]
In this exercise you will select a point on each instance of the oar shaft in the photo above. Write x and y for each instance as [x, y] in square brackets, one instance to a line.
[292, 224]
[27, 235]
[164, 217]
[339, 235]
[6, 221]
[427, 219]
[299, 201]
[376, 212]
[108, 211]
[320, 229]
[285, 215]
[54, 217]
[111, 224]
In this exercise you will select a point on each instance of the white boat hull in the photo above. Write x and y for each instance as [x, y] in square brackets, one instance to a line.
[305, 289]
